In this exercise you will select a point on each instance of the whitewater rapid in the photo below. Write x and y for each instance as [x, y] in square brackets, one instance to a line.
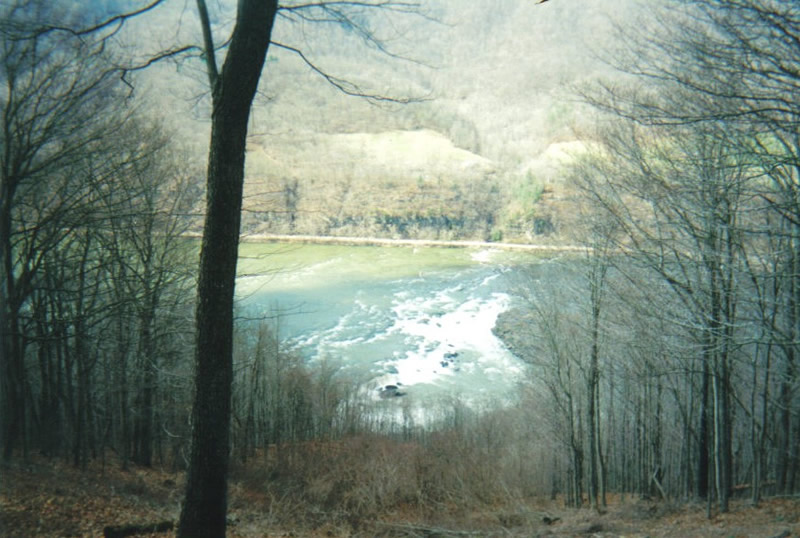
[426, 329]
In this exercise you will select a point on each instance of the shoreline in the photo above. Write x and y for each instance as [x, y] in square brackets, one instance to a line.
[388, 242]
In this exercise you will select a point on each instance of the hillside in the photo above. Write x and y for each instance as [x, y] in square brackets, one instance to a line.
[54, 499]
[471, 157]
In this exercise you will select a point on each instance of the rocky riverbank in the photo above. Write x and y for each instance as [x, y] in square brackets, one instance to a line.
[513, 328]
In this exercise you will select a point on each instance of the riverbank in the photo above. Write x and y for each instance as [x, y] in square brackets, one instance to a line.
[388, 242]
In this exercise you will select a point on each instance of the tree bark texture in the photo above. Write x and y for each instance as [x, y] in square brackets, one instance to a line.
[205, 505]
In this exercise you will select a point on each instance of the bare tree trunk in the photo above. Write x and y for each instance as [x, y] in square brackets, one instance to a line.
[12, 410]
[592, 422]
[702, 471]
[233, 89]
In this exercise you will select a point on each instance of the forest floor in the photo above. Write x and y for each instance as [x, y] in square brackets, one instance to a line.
[53, 499]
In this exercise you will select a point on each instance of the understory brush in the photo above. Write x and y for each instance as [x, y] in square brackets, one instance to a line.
[364, 478]
[356, 487]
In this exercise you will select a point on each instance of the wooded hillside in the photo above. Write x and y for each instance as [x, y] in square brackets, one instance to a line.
[490, 120]
[662, 356]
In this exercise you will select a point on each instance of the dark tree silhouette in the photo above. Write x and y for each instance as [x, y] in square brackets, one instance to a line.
[232, 89]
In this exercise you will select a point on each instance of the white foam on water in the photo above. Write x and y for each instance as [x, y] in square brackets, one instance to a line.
[484, 256]
[489, 278]
[362, 324]
[451, 337]
[430, 336]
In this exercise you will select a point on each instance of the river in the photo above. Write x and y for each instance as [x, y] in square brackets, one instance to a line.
[417, 318]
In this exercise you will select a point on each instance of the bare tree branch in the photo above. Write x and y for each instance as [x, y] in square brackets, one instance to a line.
[208, 45]
[343, 14]
[171, 53]
[118, 20]
[345, 86]
[391, 5]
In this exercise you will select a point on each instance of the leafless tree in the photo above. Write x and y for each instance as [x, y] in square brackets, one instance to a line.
[233, 88]
[705, 138]
[59, 103]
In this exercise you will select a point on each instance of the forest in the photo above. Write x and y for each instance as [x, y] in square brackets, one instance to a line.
[656, 143]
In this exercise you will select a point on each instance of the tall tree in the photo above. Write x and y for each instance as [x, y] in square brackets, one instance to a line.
[233, 89]
[232, 92]
[597, 272]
